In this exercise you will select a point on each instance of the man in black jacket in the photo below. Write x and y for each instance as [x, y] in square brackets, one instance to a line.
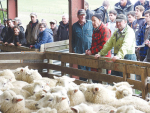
[63, 29]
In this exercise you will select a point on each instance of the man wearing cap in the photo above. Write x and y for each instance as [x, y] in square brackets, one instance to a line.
[54, 28]
[82, 35]
[123, 41]
[32, 30]
[63, 29]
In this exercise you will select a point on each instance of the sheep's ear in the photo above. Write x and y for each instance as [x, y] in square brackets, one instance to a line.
[55, 77]
[116, 88]
[75, 110]
[131, 86]
[45, 91]
[42, 96]
[112, 111]
[96, 89]
[61, 99]
[72, 79]
[114, 83]
[26, 67]
[21, 70]
[76, 90]
[18, 100]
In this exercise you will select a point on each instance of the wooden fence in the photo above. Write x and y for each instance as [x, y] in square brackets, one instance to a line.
[127, 67]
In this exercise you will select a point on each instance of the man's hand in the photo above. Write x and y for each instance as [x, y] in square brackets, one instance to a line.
[138, 48]
[88, 52]
[6, 43]
[147, 42]
[32, 46]
[115, 58]
[11, 44]
[97, 56]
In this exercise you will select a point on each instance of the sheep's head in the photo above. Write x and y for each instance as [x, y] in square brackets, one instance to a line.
[122, 84]
[38, 86]
[3, 83]
[72, 91]
[50, 100]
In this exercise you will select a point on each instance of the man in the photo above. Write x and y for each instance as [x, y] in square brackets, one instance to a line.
[1, 28]
[82, 35]
[63, 29]
[144, 3]
[123, 41]
[32, 30]
[144, 35]
[10, 31]
[131, 18]
[103, 11]
[4, 31]
[123, 7]
[89, 13]
[17, 22]
[54, 28]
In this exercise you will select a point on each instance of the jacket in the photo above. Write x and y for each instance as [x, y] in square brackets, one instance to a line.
[101, 10]
[123, 45]
[146, 4]
[45, 36]
[63, 31]
[9, 34]
[99, 38]
[31, 34]
[55, 38]
[140, 40]
[125, 10]
[19, 38]
[89, 14]
[82, 36]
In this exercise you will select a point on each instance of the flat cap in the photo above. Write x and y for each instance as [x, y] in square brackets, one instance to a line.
[120, 17]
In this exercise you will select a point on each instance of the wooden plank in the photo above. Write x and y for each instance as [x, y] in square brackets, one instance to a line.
[38, 66]
[53, 55]
[20, 56]
[148, 71]
[93, 63]
[133, 69]
[137, 84]
[148, 85]
[57, 48]
[86, 74]
[111, 65]
[125, 76]
[144, 82]
[55, 44]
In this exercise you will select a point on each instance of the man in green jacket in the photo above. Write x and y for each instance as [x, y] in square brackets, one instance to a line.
[123, 41]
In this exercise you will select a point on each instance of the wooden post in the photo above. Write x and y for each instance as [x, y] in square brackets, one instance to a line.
[63, 64]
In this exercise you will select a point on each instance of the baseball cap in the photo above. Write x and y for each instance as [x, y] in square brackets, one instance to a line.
[98, 15]
[120, 17]
[53, 21]
[16, 19]
[81, 12]
[33, 14]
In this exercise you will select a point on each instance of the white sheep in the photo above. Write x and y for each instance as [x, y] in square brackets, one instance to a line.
[19, 84]
[8, 74]
[65, 81]
[5, 84]
[54, 100]
[46, 110]
[120, 84]
[127, 109]
[123, 91]
[75, 96]
[97, 93]
[12, 103]
[31, 75]
[19, 72]
[36, 87]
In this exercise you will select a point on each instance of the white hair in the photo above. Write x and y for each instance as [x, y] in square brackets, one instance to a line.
[65, 15]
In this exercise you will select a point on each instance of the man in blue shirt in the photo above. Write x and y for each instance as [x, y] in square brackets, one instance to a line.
[82, 32]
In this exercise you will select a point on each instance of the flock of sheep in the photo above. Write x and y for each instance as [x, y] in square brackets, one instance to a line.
[24, 90]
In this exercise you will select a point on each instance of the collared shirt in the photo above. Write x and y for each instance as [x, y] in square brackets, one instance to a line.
[82, 24]
[119, 33]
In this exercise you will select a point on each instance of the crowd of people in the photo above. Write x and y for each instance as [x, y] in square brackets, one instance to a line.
[36, 33]
[121, 33]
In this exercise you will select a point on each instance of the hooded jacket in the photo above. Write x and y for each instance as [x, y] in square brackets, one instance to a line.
[45, 36]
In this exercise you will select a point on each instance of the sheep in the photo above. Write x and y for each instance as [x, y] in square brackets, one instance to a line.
[35, 87]
[54, 100]
[50, 82]
[75, 96]
[19, 84]
[120, 84]
[31, 75]
[97, 93]
[5, 84]
[127, 109]
[65, 81]
[46, 110]
[12, 103]
[19, 72]
[123, 91]
[83, 87]
[8, 74]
